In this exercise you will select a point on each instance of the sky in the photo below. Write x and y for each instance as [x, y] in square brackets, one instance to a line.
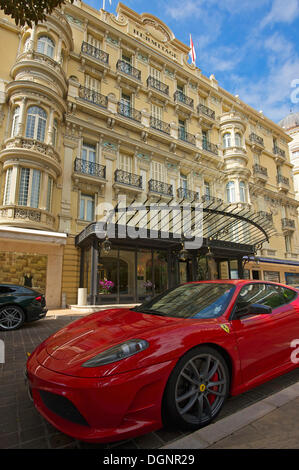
[251, 46]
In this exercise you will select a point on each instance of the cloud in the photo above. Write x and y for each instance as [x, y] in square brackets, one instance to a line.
[282, 11]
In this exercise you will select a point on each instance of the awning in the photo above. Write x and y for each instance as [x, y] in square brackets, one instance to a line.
[215, 222]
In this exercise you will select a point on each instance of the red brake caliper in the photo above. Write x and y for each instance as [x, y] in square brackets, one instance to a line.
[212, 397]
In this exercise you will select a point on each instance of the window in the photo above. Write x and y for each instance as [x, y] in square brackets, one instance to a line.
[205, 139]
[158, 171]
[264, 294]
[238, 140]
[126, 58]
[157, 112]
[29, 187]
[155, 73]
[55, 131]
[182, 130]
[36, 123]
[88, 155]
[230, 192]
[288, 243]
[86, 208]
[93, 41]
[242, 189]
[207, 190]
[125, 163]
[49, 194]
[184, 185]
[191, 301]
[125, 105]
[6, 198]
[15, 122]
[45, 46]
[91, 83]
[227, 140]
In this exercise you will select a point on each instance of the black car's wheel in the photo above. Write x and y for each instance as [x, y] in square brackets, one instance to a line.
[196, 389]
[11, 317]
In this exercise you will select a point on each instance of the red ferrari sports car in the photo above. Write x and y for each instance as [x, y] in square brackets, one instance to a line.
[172, 361]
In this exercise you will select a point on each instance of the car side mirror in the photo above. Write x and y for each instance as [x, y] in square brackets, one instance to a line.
[254, 309]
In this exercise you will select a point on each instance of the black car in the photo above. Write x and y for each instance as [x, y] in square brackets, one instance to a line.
[19, 304]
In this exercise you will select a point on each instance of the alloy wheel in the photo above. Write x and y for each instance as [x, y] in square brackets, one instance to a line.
[11, 318]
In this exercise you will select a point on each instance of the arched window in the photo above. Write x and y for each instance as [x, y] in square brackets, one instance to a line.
[36, 123]
[238, 140]
[15, 121]
[227, 141]
[242, 189]
[230, 192]
[46, 46]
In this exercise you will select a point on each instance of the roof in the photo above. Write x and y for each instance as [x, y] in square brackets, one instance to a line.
[290, 121]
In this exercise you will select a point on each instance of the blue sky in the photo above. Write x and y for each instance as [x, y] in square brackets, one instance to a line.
[251, 46]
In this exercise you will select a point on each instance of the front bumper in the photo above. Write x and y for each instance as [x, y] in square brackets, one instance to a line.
[102, 409]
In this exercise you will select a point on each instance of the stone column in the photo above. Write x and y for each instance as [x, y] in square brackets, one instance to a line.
[21, 118]
[50, 128]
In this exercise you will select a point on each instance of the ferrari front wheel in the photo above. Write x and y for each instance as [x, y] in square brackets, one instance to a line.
[196, 389]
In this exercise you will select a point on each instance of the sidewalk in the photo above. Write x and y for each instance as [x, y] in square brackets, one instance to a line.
[271, 423]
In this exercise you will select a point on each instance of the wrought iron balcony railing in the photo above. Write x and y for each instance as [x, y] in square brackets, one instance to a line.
[283, 180]
[154, 83]
[187, 194]
[256, 139]
[93, 96]
[279, 151]
[94, 52]
[209, 147]
[89, 168]
[161, 188]
[127, 111]
[202, 109]
[130, 179]
[186, 137]
[160, 125]
[258, 169]
[128, 69]
[288, 223]
[266, 215]
[180, 97]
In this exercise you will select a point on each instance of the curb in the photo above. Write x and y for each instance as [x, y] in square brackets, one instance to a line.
[205, 437]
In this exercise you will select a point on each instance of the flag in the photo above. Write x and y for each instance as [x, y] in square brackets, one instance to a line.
[110, 1]
[192, 51]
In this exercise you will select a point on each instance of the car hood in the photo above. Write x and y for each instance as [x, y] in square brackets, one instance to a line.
[69, 348]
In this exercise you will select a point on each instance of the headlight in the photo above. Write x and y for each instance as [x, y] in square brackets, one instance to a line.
[117, 353]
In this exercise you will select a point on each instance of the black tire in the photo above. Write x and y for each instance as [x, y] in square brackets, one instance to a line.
[191, 376]
[12, 317]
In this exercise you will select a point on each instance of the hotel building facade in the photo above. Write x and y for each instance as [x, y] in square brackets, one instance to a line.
[95, 107]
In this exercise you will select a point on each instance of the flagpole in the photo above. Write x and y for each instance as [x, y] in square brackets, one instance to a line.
[103, 4]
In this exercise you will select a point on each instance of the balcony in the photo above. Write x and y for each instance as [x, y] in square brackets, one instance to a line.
[260, 172]
[157, 85]
[266, 215]
[283, 183]
[205, 111]
[27, 217]
[209, 147]
[90, 169]
[256, 139]
[180, 98]
[128, 69]
[184, 193]
[158, 187]
[93, 97]
[127, 111]
[186, 137]
[288, 224]
[159, 125]
[279, 152]
[129, 179]
[95, 53]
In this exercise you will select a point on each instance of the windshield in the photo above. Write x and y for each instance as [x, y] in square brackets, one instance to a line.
[206, 300]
